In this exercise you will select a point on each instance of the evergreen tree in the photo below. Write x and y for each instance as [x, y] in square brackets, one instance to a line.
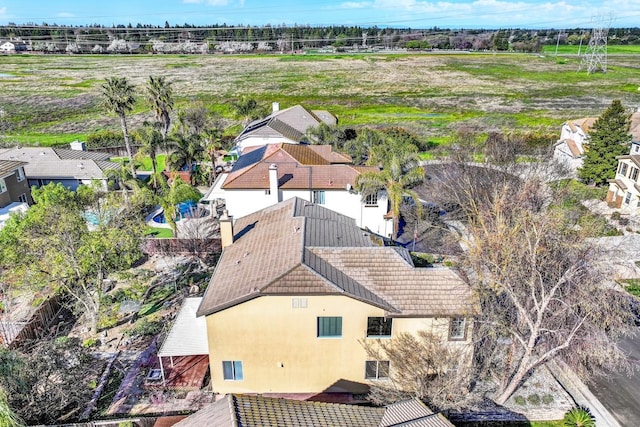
[608, 138]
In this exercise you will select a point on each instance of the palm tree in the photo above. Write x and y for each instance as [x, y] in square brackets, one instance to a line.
[151, 141]
[213, 144]
[123, 179]
[173, 194]
[160, 96]
[119, 98]
[248, 109]
[398, 175]
[186, 151]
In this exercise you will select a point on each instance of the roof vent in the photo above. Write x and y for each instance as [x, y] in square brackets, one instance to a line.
[296, 229]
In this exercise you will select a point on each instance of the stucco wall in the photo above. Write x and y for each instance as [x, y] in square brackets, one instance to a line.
[280, 351]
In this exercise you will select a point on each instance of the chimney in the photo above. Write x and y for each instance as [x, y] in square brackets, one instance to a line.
[226, 229]
[274, 190]
[275, 106]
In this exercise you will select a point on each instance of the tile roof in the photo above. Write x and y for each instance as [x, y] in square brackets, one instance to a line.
[573, 147]
[291, 123]
[50, 163]
[252, 411]
[297, 248]
[299, 167]
[8, 167]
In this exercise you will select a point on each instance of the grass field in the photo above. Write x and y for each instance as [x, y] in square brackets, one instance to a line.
[575, 49]
[55, 99]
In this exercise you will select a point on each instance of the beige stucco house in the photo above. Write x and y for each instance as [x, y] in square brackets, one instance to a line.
[299, 290]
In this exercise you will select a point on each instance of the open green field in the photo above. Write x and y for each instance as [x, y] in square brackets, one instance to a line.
[575, 49]
[56, 99]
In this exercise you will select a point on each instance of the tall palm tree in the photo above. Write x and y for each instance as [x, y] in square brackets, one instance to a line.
[151, 141]
[160, 96]
[123, 179]
[399, 174]
[213, 143]
[119, 98]
[248, 109]
[186, 151]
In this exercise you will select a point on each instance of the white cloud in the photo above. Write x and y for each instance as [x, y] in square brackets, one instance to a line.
[355, 5]
[218, 2]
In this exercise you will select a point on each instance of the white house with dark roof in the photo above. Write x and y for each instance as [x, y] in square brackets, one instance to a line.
[574, 136]
[298, 288]
[71, 168]
[288, 126]
[266, 175]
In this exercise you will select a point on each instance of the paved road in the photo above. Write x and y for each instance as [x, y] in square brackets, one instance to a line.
[621, 394]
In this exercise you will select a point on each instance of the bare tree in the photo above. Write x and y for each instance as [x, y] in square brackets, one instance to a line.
[542, 290]
[422, 366]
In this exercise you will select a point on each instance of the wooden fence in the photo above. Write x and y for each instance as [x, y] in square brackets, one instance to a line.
[14, 334]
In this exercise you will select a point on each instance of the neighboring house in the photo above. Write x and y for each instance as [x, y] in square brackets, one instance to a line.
[12, 46]
[624, 189]
[238, 410]
[574, 136]
[266, 175]
[299, 289]
[13, 183]
[68, 167]
[287, 125]
[15, 196]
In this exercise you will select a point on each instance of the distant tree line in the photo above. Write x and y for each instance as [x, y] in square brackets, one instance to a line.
[187, 38]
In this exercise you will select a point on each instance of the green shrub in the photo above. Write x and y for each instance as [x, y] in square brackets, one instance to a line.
[90, 342]
[145, 327]
[579, 417]
[615, 215]
[534, 399]
[519, 400]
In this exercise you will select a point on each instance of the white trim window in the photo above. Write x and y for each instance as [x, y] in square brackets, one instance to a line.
[318, 197]
[20, 174]
[3, 186]
[232, 370]
[457, 329]
[376, 369]
[371, 200]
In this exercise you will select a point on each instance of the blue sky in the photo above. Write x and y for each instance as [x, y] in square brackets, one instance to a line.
[382, 13]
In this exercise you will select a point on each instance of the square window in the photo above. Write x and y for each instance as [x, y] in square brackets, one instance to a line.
[298, 302]
[23, 198]
[329, 327]
[267, 192]
[232, 370]
[318, 197]
[3, 186]
[371, 200]
[378, 327]
[457, 328]
[376, 369]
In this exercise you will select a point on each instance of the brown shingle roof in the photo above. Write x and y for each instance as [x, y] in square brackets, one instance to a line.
[299, 167]
[297, 248]
[251, 411]
[573, 147]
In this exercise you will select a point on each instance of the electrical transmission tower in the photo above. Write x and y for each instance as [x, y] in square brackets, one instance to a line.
[595, 56]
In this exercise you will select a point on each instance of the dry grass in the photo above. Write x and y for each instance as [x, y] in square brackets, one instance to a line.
[61, 94]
